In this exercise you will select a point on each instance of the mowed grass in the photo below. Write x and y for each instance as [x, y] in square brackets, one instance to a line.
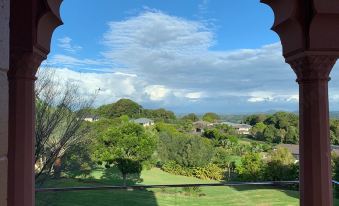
[208, 196]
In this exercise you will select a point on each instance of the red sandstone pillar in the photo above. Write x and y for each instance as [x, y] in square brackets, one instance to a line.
[21, 185]
[315, 154]
[309, 36]
[32, 23]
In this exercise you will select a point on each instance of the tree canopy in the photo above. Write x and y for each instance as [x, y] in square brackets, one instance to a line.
[191, 117]
[119, 108]
[126, 146]
[210, 117]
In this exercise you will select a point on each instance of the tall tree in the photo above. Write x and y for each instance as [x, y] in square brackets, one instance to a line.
[60, 111]
[126, 146]
[255, 119]
[281, 166]
[251, 168]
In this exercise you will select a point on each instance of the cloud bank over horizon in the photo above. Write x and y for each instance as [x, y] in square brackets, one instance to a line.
[161, 60]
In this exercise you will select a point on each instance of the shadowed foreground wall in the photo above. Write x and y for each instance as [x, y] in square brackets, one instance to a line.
[4, 65]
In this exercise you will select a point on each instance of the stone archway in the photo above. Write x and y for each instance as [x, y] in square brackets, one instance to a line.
[26, 31]
[309, 35]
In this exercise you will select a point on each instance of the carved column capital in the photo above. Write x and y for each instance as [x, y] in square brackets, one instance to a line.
[24, 65]
[313, 67]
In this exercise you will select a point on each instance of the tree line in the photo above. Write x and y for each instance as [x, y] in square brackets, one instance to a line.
[69, 146]
[283, 127]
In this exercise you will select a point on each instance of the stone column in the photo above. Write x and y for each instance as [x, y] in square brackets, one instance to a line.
[21, 185]
[32, 23]
[4, 65]
[315, 153]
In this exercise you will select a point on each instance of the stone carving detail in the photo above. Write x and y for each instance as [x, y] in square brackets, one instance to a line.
[48, 21]
[313, 67]
[28, 51]
[306, 25]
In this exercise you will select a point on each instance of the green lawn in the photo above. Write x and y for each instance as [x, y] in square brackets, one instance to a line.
[208, 196]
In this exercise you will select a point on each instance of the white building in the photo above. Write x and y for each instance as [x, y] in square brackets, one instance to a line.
[240, 128]
[91, 118]
[144, 122]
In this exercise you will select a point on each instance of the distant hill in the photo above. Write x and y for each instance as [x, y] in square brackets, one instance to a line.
[334, 114]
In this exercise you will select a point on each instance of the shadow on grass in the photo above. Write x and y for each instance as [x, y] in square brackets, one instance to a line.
[112, 176]
[94, 197]
[290, 191]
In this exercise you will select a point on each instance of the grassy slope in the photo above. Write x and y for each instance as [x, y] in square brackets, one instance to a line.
[214, 196]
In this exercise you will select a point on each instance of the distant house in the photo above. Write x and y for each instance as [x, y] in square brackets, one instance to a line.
[200, 126]
[91, 118]
[144, 122]
[294, 149]
[240, 128]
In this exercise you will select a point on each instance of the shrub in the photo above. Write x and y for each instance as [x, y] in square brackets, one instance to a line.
[211, 171]
[251, 168]
[186, 150]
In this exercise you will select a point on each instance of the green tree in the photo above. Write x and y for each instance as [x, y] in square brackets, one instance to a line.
[77, 162]
[224, 159]
[210, 117]
[159, 114]
[269, 133]
[191, 117]
[251, 168]
[126, 146]
[59, 124]
[258, 131]
[292, 135]
[282, 155]
[185, 150]
[281, 120]
[255, 119]
[334, 129]
[119, 108]
[335, 171]
[281, 166]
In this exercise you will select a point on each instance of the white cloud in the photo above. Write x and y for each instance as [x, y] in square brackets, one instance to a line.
[156, 32]
[176, 53]
[256, 97]
[157, 92]
[66, 44]
[159, 58]
[111, 86]
[61, 60]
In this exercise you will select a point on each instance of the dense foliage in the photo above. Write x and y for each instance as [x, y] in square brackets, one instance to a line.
[125, 146]
[184, 149]
[191, 117]
[281, 127]
[119, 108]
[132, 110]
[210, 117]
[219, 152]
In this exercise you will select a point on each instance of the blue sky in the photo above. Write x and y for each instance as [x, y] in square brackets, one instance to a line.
[187, 56]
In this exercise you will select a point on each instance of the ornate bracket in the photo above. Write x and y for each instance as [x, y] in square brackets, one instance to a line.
[309, 35]
[32, 25]
[313, 68]
[306, 26]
